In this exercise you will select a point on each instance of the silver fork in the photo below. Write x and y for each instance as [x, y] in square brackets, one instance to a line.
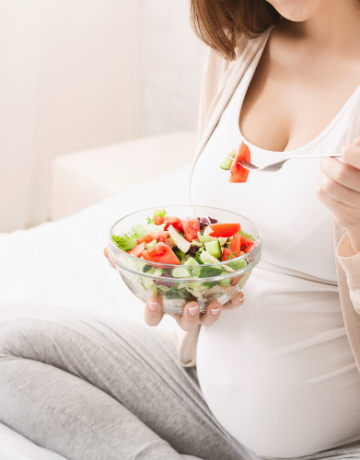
[279, 164]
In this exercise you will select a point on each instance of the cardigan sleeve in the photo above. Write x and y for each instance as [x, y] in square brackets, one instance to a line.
[350, 262]
[215, 68]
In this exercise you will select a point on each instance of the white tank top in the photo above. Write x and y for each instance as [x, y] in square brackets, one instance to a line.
[278, 373]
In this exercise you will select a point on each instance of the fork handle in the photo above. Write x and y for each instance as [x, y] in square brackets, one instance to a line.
[312, 156]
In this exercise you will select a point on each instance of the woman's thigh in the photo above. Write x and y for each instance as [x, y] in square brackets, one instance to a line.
[131, 365]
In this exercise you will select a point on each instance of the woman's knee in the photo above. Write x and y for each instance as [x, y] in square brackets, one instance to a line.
[31, 334]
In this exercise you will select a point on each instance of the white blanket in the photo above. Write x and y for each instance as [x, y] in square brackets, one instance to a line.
[61, 264]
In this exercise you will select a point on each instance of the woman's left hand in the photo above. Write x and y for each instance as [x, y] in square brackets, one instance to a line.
[339, 190]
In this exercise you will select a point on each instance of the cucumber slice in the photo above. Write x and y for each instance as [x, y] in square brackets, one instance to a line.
[180, 272]
[209, 272]
[208, 258]
[191, 261]
[151, 244]
[181, 242]
[238, 264]
[226, 282]
[246, 235]
[147, 282]
[206, 238]
[196, 243]
[149, 269]
[214, 249]
[194, 263]
[227, 161]
[157, 272]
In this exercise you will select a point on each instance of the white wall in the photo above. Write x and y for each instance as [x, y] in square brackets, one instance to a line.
[172, 67]
[69, 80]
[76, 74]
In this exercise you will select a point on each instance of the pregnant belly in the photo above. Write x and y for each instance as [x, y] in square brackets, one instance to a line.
[278, 373]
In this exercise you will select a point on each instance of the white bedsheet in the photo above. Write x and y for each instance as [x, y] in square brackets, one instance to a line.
[61, 264]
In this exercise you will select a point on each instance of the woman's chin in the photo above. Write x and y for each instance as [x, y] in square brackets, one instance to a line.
[295, 10]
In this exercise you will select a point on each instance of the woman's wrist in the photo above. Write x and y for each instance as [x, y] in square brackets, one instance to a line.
[354, 237]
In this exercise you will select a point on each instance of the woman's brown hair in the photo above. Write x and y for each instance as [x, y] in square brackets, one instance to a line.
[218, 22]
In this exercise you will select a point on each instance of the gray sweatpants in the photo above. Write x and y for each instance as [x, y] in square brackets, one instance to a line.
[100, 388]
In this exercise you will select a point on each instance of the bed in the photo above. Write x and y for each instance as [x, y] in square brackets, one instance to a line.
[56, 263]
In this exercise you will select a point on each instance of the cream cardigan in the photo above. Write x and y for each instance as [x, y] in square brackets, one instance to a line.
[220, 81]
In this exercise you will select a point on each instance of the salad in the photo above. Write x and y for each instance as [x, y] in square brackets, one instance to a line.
[184, 259]
[238, 174]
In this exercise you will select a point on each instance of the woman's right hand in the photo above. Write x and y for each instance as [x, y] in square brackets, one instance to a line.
[191, 317]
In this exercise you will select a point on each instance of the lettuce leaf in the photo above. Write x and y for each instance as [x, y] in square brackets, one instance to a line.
[123, 242]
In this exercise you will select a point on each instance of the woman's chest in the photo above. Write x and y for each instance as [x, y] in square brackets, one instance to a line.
[292, 98]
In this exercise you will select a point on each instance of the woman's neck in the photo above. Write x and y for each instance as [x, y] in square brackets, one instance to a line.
[335, 25]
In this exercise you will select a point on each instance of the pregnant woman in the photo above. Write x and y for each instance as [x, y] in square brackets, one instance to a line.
[275, 373]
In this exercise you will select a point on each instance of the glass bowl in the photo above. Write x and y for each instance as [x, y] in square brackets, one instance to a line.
[202, 283]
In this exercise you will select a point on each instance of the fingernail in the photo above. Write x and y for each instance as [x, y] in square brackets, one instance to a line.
[193, 311]
[238, 300]
[152, 306]
[214, 311]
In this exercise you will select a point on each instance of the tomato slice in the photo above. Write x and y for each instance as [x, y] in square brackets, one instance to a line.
[169, 242]
[159, 220]
[161, 253]
[235, 280]
[145, 239]
[238, 174]
[160, 236]
[227, 255]
[191, 227]
[246, 244]
[236, 245]
[224, 230]
[175, 222]
[137, 251]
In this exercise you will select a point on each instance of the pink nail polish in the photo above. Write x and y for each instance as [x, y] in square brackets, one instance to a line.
[214, 311]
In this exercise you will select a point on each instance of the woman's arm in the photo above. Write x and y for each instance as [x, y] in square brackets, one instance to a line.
[340, 190]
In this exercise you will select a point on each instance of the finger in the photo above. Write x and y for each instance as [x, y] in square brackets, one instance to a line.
[338, 192]
[190, 318]
[340, 212]
[236, 302]
[342, 173]
[211, 315]
[106, 254]
[351, 153]
[153, 313]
